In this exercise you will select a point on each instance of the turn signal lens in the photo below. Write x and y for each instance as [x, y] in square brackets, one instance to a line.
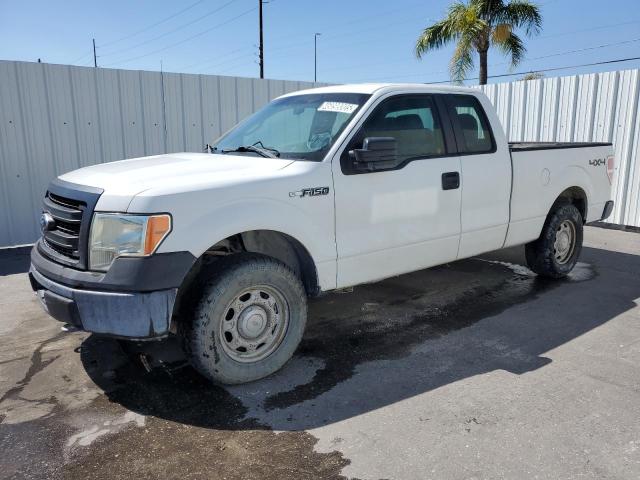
[611, 166]
[158, 227]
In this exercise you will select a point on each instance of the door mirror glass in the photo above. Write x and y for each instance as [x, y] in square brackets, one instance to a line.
[377, 153]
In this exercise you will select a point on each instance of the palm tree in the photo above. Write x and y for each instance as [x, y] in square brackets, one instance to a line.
[532, 76]
[479, 25]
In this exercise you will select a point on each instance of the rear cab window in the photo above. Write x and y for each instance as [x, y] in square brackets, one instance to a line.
[471, 126]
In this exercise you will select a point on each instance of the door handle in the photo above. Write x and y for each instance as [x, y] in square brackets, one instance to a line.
[450, 180]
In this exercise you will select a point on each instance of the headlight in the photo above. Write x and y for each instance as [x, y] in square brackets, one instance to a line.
[114, 235]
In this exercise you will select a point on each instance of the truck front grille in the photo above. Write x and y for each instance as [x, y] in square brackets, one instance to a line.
[64, 240]
[64, 236]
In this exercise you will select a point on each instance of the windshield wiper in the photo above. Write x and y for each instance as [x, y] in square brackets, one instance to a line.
[270, 149]
[257, 147]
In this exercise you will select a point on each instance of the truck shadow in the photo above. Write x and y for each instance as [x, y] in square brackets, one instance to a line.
[390, 341]
[14, 260]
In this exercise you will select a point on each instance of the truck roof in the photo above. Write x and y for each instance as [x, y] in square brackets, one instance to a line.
[370, 88]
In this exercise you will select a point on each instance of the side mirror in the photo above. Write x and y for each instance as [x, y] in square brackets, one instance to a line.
[377, 153]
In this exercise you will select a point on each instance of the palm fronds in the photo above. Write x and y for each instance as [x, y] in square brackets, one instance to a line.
[478, 25]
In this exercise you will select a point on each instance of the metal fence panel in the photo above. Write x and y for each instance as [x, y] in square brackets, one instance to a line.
[132, 123]
[595, 107]
[173, 112]
[152, 113]
[56, 118]
[110, 118]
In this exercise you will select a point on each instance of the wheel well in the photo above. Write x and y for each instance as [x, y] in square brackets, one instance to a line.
[274, 244]
[577, 197]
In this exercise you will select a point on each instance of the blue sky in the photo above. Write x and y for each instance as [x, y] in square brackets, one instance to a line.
[362, 40]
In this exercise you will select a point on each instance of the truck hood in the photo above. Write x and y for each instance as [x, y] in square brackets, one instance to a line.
[122, 180]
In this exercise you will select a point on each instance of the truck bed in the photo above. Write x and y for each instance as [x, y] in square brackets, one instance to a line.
[542, 170]
[526, 146]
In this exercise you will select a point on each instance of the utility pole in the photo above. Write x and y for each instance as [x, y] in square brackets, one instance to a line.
[261, 53]
[315, 57]
[95, 59]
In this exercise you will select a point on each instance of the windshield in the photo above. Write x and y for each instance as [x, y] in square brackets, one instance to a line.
[297, 127]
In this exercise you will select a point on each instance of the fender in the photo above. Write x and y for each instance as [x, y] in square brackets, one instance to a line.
[199, 229]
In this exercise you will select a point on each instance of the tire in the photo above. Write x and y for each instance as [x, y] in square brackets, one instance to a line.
[253, 303]
[556, 251]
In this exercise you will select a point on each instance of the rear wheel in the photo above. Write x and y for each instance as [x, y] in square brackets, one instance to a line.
[248, 321]
[556, 251]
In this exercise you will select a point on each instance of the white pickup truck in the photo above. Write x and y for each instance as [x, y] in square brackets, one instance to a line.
[319, 190]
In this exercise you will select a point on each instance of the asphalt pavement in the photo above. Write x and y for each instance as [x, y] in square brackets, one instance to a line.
[476, 369]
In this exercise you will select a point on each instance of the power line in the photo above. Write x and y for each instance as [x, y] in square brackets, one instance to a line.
[153, 25]
[558, 54]
[553, 69]
[227, 63]
[87, 54]
[146, 42]
[503, 63]
[332, 40]
[184, 40]
[214, 61]
[235, 67]
[590, 29]
[587, 49]
[337, 26]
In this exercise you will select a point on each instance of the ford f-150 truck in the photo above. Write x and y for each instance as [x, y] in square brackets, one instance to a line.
[319, 190]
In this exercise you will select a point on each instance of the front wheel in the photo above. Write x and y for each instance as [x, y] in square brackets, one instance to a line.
[249, 320]
[556, 251]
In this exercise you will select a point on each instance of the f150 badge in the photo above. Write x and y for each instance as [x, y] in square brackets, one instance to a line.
[310, 192]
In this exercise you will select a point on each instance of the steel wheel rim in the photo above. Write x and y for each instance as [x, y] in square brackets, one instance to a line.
[565, 242]
[254, 324]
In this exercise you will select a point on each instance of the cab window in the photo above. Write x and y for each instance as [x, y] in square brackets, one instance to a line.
[473, 134]
[413, 121]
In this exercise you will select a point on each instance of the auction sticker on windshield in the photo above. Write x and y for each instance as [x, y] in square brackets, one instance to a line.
[339, 107]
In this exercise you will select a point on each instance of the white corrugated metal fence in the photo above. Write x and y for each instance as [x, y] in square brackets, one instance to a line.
[596, 107]
[56, 118]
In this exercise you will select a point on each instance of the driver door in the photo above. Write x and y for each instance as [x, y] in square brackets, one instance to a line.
[403, 219]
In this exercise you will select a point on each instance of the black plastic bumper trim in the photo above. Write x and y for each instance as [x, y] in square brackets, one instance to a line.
[160, 271]
[128, 315]
[61, 308]
[606, 211]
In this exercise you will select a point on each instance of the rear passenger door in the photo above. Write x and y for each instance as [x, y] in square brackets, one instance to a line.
[485, 177]
[402, 219]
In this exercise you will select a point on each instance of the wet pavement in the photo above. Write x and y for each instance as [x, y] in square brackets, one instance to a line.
[475, 369]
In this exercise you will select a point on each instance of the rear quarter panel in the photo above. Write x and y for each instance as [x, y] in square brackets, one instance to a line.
[540, 176]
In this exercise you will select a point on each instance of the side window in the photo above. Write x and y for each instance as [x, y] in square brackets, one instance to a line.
[473, 133]
[412, 120]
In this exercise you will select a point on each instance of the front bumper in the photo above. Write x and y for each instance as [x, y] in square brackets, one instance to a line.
[132, 315]
[134, 300]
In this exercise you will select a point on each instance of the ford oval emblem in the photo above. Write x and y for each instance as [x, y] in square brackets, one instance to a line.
[47, 222]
